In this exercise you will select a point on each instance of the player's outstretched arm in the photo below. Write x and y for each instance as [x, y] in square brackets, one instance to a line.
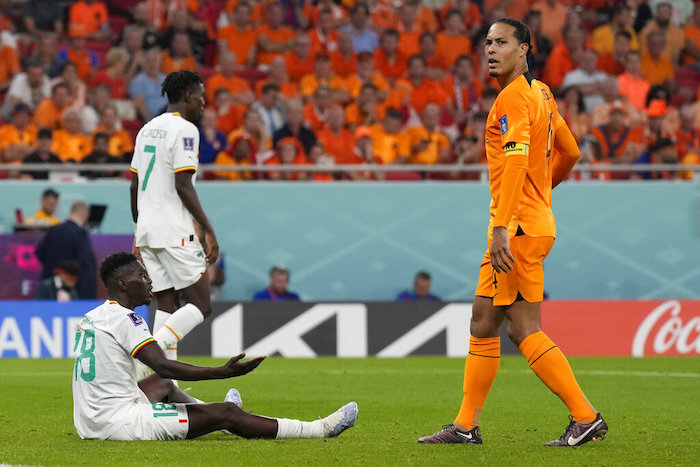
[566, 154]
[188, 195]
[152, 356]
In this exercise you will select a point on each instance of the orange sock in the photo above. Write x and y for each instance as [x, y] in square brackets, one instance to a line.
[479, 372]
[551, 366]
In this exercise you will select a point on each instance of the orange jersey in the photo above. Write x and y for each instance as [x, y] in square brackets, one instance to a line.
[93, 16]
[296, 67]
[239, 42]
[390, 68]
[343, 66]
[170, 64]
[287, 88]
[10, 135]
[279, 35]
[120, 141]
[70, 146]
[523, 121]
[233, 84]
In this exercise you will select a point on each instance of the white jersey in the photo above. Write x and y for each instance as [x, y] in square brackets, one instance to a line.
[166, 145]
[106, 394]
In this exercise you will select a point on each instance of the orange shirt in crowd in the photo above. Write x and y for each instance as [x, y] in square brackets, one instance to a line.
[313, 117]
[425, 19]
[515, 9]
[288, 88]
[92, 17]
[385, 147]
[354, 85]
[390, 69]
[116, 85]
[558, 64]
[438, 143]
[463, 97]
[656, 71]
[224, 158]
[10, 135]
[232, 119]
[340, 146]
[234, 84]
[239, 41]
[310, 82]
[343, 66]
[553, 19]
[428, 91]
[279, 35]
[48, 115]
[471, 17]
[608, 64]
[691, 33]
[120, 142]
[9, 63]
[69, 146]
[448, 48]
[297, 68]
[615, 145]
[83, 63]
[355, 117]
[409, 42]
[634, 89]
[321, 43]
[170, 64]
[256, 13]
[603, 39]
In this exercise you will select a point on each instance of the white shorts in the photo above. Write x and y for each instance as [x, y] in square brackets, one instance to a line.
[175, 267]
[156, 422]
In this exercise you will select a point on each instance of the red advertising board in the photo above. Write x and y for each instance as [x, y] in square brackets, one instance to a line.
[638, 328]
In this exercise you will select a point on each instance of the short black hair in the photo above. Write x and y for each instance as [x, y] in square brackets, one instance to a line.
[49, 193]
[522, 32]
[112, 263]
[100, 135]
[177, 83]
[45, 133]
[423, 275]
[267, 87]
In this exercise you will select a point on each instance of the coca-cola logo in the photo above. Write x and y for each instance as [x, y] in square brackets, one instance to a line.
[669, 332]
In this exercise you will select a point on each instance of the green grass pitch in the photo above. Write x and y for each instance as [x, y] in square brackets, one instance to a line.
[652, 406]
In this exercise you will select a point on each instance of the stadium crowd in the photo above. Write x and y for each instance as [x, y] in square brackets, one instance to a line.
[329, 82]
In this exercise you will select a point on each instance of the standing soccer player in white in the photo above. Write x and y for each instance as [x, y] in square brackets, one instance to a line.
[108, 402]
[163, 205]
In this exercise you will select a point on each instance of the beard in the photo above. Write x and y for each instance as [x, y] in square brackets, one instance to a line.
[494, 74]
[663, 22]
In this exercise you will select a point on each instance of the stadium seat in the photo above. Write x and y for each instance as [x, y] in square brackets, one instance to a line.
[117, 23]
[206, 73]
[251, 75]
[132, 126]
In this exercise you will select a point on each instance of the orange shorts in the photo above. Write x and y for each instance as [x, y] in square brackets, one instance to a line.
[526, 278]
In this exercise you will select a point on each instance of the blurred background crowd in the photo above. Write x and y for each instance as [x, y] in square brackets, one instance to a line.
[333, 82]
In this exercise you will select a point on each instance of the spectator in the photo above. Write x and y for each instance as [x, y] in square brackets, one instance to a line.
[44, 217]
[453, 42]
[339, 15]
[655, 129]
[656, 67]
[687, 135]
[613, 63]
[386, 139]
[288, 152]
[29, 87]
[43, 16]
[469, 11]
[609, 91]
[99, 98]
[252, 130]
[240, 151]
[76, 51]
[336, 140]
[184, 23]
[49, 113]
[366, 74]
[226, 78]
[323, 75]
[9, 65]
[344, 58]
[69, 143]
[691, 51]
[324, 35]
[277, 290]
[553, 18]
[100, 155]
[573, 109]
[365, 110]
[387, 58]
[41, 155]
[17, 138]
[230, 115]
[604, 37]
[93, 18]
[77, 91]
[408, 31]
[426, 144]
[273, 38]
[132, 43]
[462, 89]
[435, 62]
[211, 140]
[620, 144]
[238, 36]
[662, 151]
[421, 289]
[60, 286]
[674, 36]
[141, 14]
[632, 85]
[178, 56]
[270, 109]
[364, 39]
[540, 44]
[294, 127]
[120, 144]
[278, 74]
[466, 152]
[46, 55]
[561, 59]
[144, 89]
[113, 75]
[363, 145]
[70, 241]
[586, 79]
[299, 61]
[420, 90]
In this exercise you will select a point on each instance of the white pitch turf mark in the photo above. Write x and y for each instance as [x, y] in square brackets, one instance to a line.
[661, 374]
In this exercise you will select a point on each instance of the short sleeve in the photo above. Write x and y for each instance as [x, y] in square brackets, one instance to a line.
[131, 332]
[186, 149]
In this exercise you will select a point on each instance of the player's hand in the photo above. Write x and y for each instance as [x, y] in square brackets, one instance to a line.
[211, 247]
[136, 251]
[502, 259]
[235, 367]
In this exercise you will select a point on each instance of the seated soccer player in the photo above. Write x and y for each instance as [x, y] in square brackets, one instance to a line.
[109, 403]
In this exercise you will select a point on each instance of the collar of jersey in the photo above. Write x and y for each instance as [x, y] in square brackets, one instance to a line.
[177, 114]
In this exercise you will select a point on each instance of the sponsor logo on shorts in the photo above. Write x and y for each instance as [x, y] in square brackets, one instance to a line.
[188, 144]
[138, 320]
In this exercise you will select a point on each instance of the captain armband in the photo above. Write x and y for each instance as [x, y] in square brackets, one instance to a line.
[515, 149]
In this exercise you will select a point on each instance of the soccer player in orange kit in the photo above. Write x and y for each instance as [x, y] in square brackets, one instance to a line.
[530, 150]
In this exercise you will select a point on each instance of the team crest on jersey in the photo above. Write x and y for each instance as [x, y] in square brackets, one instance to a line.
[188, 143]
[504, 124]
[138, 320]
